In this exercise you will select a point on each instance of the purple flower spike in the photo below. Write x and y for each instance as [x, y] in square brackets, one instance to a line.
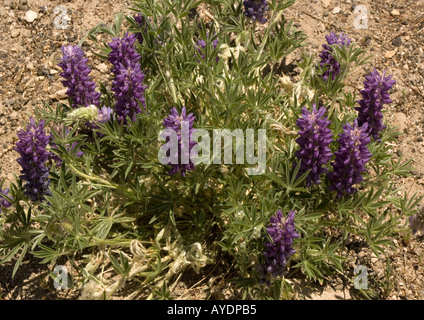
[350, 160]
[123, 52]
[3, 202]
[256, 9]
[174, 121]
[340, 39]
[32, 148]
[278, 251]
[128, 84]
[374, 95]
[326, 55]
[314, 141]
[129, 92]
[81, 89]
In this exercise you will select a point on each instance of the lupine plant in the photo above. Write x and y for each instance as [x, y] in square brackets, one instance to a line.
[115, 214]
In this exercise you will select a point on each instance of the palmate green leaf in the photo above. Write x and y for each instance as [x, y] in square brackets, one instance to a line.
[122, 267]
[158, 268]
[16, 247]
[371, 202]
[312, 272]
[407, 205]
[286, 40]
[285, 4]
[309, 216]
[20, 259]
[23, 217]
[162, 203]
[48, 254]
[102, 229]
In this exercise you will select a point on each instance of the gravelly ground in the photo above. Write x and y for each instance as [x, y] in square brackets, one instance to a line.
[29, 78]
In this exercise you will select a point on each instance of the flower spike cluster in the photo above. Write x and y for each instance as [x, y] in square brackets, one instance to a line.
[374, 95]
[81, 89]
[350, 160]
[32, 149]
[256, 9]
[174, 121]
[326, 55]
[278, 251]
[128, 83]
[315, 138]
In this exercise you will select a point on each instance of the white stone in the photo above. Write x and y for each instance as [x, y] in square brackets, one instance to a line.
[60, 94]
[390, 54]
[30, 66]
[30, 16]
[337, 10]
[326, 3]
[15, 33]
[395, 12]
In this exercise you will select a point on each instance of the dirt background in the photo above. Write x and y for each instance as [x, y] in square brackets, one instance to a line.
[29, 78]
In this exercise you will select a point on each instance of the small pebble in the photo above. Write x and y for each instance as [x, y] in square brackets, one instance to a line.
[390, 54]
[336, 10]
[395, 12]
[397, 41]
[40, 71]
[14, 33]
[30, 16]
